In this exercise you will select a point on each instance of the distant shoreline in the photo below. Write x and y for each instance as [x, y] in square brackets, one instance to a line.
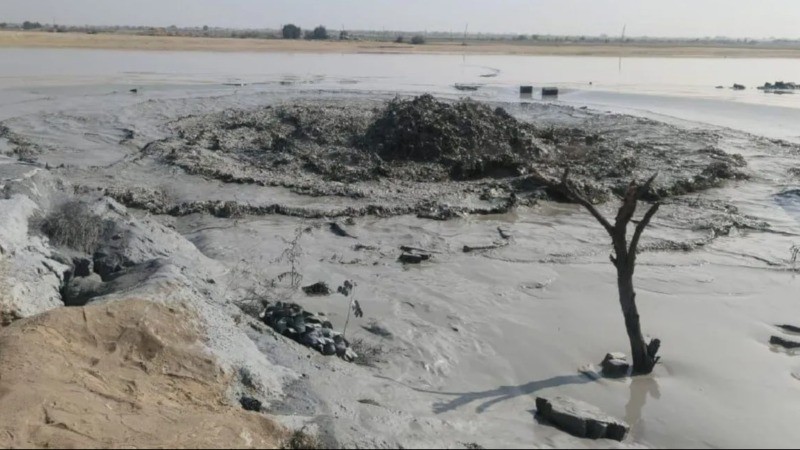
[17, 39]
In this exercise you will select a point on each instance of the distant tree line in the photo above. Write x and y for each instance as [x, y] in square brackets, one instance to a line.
[292, 31]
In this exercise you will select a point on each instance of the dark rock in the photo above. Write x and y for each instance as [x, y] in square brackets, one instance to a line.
[83, 267]
[341, 347]
[738, 87]
[107, 264]
[781, 342]
[290, 320]
[319, 288]
[329, 349]
[250, 404]
[79, 290]
[580, 419]
[408, 258]
[614, 365]
[339, 231]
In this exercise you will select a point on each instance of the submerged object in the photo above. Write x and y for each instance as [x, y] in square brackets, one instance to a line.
[467, 87]
[549, 91]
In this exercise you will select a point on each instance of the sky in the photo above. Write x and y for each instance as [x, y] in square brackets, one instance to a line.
[663, 18]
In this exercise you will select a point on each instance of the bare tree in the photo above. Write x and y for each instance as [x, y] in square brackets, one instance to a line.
[624, 259]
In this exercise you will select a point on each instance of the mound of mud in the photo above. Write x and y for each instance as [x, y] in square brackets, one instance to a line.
[389, 154]
[470, 138]
[114, 375]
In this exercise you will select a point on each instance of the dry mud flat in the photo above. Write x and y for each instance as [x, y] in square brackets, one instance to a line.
[203, 205]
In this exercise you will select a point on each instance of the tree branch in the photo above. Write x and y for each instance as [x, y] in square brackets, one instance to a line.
[643, 189]
[574, 195]
[613, 259]
[641, 226]
[632, 195]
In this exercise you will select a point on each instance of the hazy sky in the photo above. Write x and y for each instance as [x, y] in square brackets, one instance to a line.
[690, 18]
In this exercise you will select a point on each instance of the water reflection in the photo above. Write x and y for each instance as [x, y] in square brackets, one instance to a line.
[640, 388]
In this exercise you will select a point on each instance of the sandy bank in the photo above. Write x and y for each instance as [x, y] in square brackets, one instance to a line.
[165, 43]
[113, 375]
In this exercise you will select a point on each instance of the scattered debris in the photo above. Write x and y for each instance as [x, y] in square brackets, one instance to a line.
[378, 330]
[300, 440]
[496, 245]
[781, 342]
[471, 446]
[779, 86]
[467, 87]
[367, 355]
[580, 419]
[439, 212]
[316, 289]
[790, 328]
[409, 258]
[409, 249]
[505, 234]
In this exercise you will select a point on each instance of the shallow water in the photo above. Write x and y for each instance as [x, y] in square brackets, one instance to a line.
[695, 77]
[676, 87]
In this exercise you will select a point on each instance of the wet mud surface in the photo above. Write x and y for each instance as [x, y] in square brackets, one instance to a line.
[216, 185]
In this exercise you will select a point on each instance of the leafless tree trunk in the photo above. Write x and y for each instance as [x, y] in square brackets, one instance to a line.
[624, 259]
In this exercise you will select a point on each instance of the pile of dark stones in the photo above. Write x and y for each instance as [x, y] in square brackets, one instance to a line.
[471, 139]
[303, 327]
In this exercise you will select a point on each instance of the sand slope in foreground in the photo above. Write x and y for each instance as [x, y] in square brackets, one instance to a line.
[125, 374]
